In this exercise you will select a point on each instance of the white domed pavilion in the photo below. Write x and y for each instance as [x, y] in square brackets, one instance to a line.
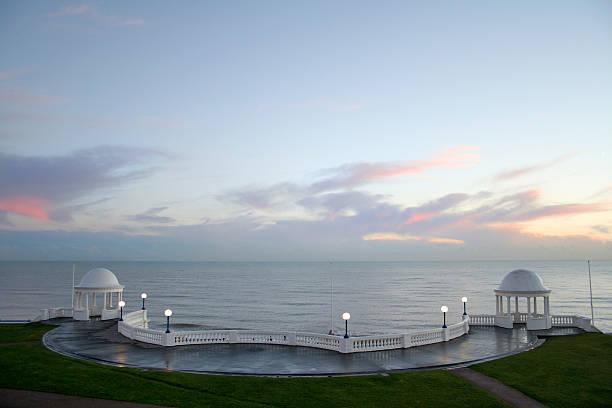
[518, 284]
[102, 287]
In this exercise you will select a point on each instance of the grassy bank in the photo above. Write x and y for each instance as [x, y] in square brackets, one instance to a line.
[570, 371]
[33, 367]
[564, 372]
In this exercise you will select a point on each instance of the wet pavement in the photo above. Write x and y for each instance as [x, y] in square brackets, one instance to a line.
[99, 341]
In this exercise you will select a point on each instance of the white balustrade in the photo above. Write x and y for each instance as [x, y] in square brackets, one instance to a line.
[133, 327]
[482, 320]
[557, 321]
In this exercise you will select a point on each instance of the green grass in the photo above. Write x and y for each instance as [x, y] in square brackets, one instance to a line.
[13, 333]
[570, 371]
[33, 367]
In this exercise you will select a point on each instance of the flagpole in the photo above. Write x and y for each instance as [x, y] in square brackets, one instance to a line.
[73, 287]
[591, 292]
[331, 303]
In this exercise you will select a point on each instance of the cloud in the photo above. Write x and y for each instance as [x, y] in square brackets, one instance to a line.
[151, 216]
[603, 192]
[12, 95]
[41, 187]
[70, 11]
[407, 237]
[28, 206]
[516, 173]
[6, 75]
[356, 174]
[562, 210]
[94, 13]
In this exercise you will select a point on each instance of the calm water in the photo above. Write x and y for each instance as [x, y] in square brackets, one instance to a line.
[382, 297]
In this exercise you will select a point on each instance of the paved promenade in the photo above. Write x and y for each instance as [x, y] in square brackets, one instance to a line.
[99, 341]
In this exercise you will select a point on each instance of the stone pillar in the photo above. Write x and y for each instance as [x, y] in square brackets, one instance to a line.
[535, 305]
[508, 299]
[94, 299]
[528, 306]
[87, 301]
[496, 305]
[546, 306]
[516, 308]
[105, 299]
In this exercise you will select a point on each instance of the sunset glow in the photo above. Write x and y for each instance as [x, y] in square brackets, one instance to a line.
[274, 131]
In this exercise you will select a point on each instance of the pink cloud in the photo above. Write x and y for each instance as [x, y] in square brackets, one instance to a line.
[29, 206]
[563, 210]
[509, 175]
[446, 241]
[418, 217]
[71, 11]
[354, 174]
[389, 236]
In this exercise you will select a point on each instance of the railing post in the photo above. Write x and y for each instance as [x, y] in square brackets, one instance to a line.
[233, 337]
[292, 338]
[346, 345]
[445, 334]
[169, 339]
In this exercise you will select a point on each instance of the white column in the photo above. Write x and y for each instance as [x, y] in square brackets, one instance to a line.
[528, 306]
[546, 306]
[94, 299]
[508, 299]
[516, 309]
[497, 305]
[535, 305]
[87, 300]
[105, 296]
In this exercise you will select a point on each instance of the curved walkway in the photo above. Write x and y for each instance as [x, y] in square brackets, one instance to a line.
[99, 341]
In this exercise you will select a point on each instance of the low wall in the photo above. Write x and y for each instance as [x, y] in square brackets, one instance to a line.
[53, 313]
[134, 326]
[557, 321]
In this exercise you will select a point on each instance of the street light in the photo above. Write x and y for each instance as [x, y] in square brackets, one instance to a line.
[168, 313]
[143, 296]
[121, 305]
[444, 309]
[346, 316]
[464, 300]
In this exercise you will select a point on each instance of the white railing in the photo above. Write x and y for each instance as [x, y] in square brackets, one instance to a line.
[134, 327]
[482, 320]
[53, 313]
[557, 320]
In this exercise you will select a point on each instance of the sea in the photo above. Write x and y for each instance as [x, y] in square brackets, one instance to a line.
[382, 297]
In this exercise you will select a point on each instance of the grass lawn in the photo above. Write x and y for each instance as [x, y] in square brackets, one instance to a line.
[570, 371]
[33, 367]
[13, 333]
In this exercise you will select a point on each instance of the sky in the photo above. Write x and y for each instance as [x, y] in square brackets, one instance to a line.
[305, 131]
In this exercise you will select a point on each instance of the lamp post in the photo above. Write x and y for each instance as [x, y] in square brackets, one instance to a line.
[121, 305]
[346, 316]
[464, 300]
[168, 313]
[143, 296]
[444, 309]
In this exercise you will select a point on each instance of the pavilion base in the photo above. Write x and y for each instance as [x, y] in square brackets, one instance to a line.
[539, 323]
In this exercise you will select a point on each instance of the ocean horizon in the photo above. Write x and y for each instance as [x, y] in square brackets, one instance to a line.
[382, 297]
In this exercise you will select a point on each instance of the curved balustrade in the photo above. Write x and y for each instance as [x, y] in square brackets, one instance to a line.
[134, 326]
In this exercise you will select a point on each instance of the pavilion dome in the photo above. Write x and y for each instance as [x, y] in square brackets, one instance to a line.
[522, 280]
[99, 278]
